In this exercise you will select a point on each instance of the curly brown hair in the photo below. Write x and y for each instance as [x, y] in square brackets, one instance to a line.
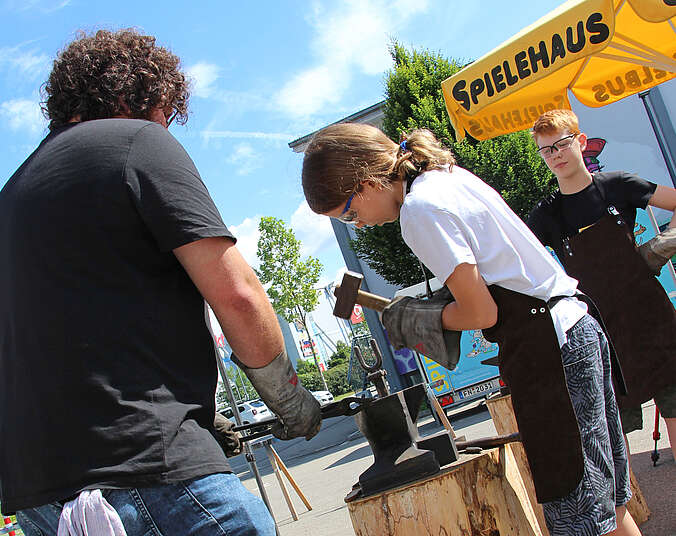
[109, 74]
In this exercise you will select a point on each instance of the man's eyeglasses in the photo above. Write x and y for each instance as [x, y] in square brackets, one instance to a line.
[171, 117]
[561, 145]
[347, 215]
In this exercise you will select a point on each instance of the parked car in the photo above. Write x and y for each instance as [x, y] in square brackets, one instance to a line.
[366, 393]
[250, 412]
[323, 397]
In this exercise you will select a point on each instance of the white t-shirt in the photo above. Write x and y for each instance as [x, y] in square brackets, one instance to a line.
[451, 218]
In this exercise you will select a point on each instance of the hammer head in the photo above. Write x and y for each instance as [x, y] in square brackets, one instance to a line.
[346, 294]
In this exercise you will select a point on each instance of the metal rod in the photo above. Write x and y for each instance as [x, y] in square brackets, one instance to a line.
[488, 442]
[248, 453]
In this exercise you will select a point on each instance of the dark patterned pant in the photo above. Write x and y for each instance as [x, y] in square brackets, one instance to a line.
[590, 509]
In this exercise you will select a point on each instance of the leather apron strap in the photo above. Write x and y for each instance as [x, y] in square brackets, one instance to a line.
[638, 315]
[530, 364]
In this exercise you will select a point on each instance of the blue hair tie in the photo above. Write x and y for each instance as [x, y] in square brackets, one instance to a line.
[403, 146]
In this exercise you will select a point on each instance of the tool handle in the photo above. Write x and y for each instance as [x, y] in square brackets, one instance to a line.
[371, 301]
[488, 442]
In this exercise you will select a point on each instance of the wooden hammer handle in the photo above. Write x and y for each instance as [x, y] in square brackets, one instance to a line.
[368, 300]
[372, 301]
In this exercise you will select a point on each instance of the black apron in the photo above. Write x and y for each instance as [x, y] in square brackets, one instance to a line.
[638, 315]
[530, 364]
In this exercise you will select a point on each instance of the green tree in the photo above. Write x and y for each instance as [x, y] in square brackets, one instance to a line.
[303, 366]
[240, 385]
[415, 100]
[340, 356]
[290, 281]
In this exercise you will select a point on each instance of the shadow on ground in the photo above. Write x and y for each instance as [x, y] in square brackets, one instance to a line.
[658, 485]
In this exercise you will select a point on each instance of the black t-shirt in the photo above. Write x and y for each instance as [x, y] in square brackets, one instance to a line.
[109, 369]
[560, 216]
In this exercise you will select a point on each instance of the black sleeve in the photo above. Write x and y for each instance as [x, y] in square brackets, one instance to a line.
[536, 222]
[635, 191]
[168, 192]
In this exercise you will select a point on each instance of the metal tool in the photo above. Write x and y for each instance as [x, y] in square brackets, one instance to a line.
[376, 373]
[348, 294]
[346, 407]
[654, 455]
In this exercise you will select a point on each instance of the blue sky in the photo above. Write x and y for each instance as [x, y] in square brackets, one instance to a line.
[264, 73]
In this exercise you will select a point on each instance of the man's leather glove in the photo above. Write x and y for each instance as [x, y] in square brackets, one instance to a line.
[416, 323]
[657, 251]
[279, 387]
[227, 438]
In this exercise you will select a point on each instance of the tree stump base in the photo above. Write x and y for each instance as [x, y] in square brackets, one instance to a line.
[502, 413]
[480, 494]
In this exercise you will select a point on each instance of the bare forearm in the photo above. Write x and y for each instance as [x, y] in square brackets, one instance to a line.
[237, 298]
[250, 325]
[473, 307]
[454, 317]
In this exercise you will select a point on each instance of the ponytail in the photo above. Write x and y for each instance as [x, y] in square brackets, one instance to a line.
[341, 156]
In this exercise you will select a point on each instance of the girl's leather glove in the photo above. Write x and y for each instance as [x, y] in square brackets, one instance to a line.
[416, 323]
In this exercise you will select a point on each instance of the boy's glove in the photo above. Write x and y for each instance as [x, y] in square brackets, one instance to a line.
[279, 387]
[416, 323]
[227, 438]
[657, 251]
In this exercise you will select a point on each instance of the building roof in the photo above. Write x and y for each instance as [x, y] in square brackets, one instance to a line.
[373, 115]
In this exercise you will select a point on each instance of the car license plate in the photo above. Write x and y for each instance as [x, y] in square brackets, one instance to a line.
[476, 389]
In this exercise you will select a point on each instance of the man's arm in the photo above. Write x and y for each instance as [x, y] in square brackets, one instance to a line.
[233, 291]
[250, 325]
[665, 198]
[473, 307]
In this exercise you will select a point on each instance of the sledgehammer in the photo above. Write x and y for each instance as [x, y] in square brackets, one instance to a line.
[348, 294]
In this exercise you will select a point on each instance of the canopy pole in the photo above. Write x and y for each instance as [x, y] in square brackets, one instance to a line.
[662, 127]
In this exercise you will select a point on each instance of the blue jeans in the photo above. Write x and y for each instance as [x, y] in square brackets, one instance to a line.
[215, 504]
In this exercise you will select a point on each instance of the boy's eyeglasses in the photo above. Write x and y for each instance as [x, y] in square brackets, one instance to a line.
[561, 145]
[347, 215]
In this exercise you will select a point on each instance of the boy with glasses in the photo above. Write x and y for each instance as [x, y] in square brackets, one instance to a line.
[589, 223]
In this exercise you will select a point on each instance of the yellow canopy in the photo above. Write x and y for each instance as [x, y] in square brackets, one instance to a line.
[601, 50]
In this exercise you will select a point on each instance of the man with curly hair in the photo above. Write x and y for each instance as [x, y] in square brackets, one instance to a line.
[109, 246]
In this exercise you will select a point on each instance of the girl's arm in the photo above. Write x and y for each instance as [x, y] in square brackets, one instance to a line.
[473, 307]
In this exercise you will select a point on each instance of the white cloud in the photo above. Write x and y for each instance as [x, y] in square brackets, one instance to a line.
[208, 135]
[37, 5]
[244, 158]
[337, 279]
[203, 75]
[30, 64]
[314, 231]
[247, 235]
[349, 36]
[23, 114]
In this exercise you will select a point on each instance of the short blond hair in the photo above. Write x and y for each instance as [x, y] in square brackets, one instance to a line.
[340, 156]
[555, 120]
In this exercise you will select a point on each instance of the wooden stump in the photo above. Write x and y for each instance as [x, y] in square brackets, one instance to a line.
[502, 413]
[480, 494]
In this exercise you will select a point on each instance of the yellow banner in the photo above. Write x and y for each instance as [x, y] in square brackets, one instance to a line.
[654, 10]
[575, 30]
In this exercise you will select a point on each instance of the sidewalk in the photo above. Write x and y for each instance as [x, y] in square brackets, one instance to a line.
[326, 470]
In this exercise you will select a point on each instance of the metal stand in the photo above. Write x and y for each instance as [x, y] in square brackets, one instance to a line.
[248, 453]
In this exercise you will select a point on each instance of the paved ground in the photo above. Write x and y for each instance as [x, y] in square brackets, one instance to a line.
[326, 467]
